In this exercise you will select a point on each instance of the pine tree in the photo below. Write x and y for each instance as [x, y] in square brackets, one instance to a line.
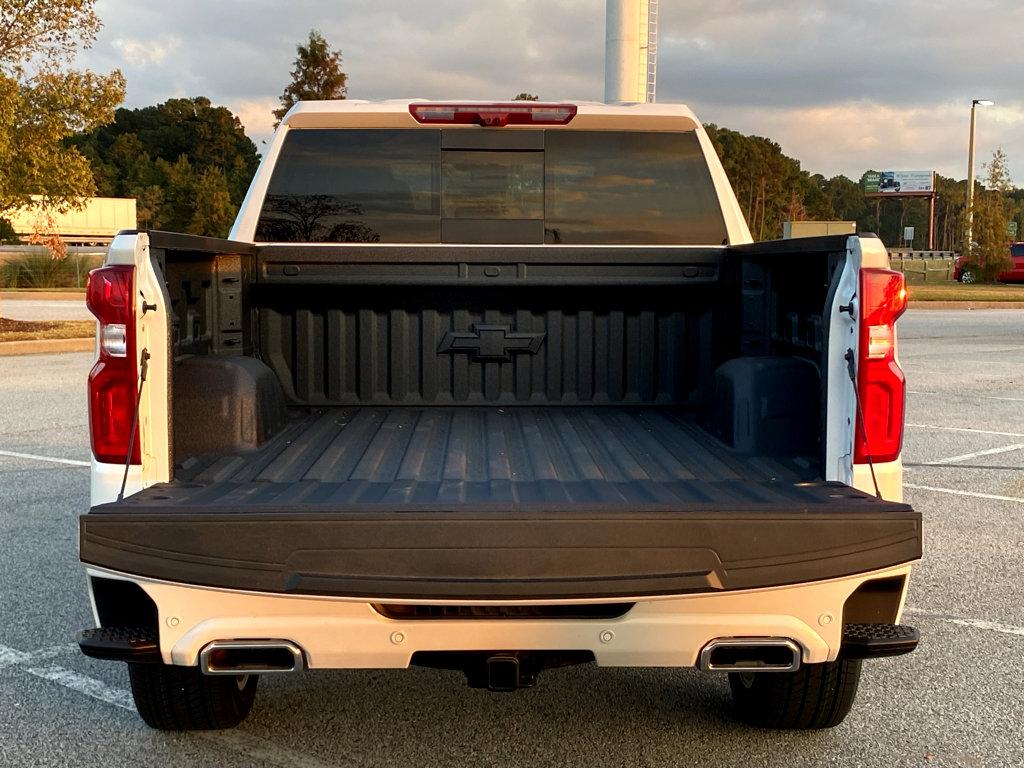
[214, 212]
[316, 75]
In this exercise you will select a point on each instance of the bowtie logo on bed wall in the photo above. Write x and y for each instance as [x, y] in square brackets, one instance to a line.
[491, 343]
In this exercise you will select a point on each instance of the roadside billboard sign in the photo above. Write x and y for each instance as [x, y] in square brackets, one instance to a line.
[899, 182]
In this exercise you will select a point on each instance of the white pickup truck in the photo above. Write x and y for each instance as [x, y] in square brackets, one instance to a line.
[495, 387]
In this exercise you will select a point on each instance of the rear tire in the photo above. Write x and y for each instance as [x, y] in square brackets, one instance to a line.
[813, 697]
[967, 277]
[175, 698]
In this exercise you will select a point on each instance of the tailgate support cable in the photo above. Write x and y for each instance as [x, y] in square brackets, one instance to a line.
[143, 371]
[852, 370]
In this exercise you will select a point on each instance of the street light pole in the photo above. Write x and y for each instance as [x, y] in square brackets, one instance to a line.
[970, 172]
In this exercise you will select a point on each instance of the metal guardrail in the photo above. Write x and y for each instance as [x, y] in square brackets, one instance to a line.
[14, 252]
[899, 253]
[923, 269]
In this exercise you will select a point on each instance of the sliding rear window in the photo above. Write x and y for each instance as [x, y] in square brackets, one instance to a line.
[460, 186]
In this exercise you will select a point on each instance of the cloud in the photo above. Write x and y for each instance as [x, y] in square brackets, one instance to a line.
[256, 115]
[849, 137]
[841, 84]
[142, 53]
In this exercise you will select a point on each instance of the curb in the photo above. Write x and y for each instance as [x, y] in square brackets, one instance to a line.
[966, 305]
[68, 296]
[37, 346]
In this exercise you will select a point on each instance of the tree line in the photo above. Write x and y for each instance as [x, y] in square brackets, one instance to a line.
[773, 188]
[188, 162]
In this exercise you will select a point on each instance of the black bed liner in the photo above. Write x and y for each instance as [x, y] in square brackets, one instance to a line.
[497, 455]
[490, 502]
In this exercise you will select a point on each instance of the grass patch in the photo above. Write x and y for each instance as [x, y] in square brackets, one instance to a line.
[39, 270]
[958, 292]
[26, 330]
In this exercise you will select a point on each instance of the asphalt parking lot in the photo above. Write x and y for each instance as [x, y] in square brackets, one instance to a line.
[959, 700]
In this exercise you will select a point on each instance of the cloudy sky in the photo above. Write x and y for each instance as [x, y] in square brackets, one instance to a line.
[842, 85]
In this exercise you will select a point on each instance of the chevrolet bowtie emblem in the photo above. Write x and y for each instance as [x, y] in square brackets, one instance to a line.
[491, 343]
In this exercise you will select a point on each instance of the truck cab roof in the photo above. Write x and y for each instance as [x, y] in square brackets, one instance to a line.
[395, 113]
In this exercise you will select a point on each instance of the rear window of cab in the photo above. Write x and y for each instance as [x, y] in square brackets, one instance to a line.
[464, 186]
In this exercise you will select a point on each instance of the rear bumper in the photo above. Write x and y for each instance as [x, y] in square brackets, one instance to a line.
[656, 632]
[507, 555]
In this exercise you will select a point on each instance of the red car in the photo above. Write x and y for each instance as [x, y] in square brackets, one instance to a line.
[967, 274]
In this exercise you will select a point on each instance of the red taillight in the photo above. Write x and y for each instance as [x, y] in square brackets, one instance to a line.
[113, 380]
[514, 113]
[880, 382]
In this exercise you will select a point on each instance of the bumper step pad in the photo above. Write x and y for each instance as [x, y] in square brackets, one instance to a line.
[126, 644]
[864, 641]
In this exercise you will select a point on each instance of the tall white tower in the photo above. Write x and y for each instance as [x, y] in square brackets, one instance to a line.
[631, 50]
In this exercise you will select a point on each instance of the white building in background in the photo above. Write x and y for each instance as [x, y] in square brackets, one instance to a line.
[94, 224]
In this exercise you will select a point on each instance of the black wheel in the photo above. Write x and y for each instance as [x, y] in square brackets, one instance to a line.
[967, 276]
[183, 699]
[814, 697]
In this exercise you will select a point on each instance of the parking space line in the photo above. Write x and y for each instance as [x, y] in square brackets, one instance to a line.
[965, 395]
[976, 454]
[255, 749]
[9, 656]
[980, 624]
[90, 687]
[961, 493]
[41, 458]
[965, 430]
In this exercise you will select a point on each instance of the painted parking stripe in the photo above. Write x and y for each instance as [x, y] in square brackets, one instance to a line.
[964, 395]
[90, 687]
[965, 430]
[255, 749]
[980, 624]
[976, 454]
[41, 458]
[9, 656]
[961, 493]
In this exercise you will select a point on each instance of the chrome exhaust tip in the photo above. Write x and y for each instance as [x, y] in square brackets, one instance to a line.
[751, 655]
[250, 657]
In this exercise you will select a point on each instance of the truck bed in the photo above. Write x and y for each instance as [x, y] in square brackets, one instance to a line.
[518, 456]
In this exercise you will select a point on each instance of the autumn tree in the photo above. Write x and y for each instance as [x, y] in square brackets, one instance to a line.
[316, 75]
[992, 218]
[43, 100]
[524, 96]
